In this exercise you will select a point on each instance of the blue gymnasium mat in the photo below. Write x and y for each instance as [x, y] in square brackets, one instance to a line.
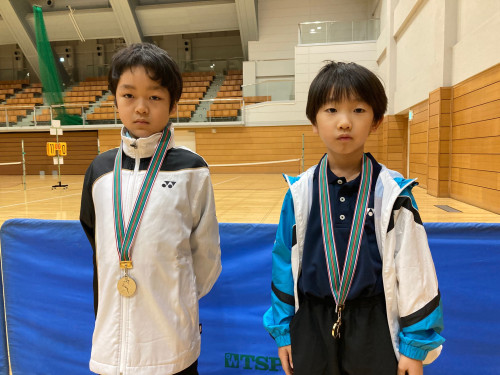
[4, 360]
[47, 273]
[47, 270]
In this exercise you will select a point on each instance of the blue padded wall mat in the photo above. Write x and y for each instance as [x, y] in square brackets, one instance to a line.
[4, 359]
[47, 270]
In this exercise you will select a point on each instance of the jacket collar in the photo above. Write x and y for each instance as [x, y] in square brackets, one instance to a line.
[142, 147]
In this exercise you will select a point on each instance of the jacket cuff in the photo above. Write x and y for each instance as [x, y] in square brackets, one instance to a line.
[283, 340]
[412, 351]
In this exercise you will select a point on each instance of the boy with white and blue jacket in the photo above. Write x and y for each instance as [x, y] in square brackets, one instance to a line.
[354, 289]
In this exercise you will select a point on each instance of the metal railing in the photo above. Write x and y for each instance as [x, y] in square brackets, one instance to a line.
[338, 31]
[221, 66]
[283, 89]
[187, 111]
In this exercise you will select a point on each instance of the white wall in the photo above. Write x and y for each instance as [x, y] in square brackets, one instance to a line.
[7, 63]
[308, 61]
[219, 47]
[427, 44]
[419, 55]
[86, 60]
[478, 38]
[173, 44]
[273, 55]
[278, 23]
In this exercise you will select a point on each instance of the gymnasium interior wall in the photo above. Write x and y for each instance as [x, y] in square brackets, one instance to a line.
[475, 140]
[87, 63]
[82, 149]
[235, 145]
[424, 45]
[447, 75]
[308, 61]
[454, 143]
[278, 24]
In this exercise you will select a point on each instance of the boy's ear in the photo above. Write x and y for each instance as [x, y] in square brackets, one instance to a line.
[377, 124]
[315, 129]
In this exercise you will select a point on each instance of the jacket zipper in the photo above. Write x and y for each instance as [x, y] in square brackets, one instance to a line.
[131, 194]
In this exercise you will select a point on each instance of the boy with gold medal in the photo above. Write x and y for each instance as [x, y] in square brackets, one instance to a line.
[166, 238]
[354, 289]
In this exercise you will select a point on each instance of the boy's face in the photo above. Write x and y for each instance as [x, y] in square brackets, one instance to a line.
[143, 104]
[345, 126]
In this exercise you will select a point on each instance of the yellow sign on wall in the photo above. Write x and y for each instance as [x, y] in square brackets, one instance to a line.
[54, 147]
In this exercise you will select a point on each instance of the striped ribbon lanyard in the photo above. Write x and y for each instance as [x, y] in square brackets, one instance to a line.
[125, 237]
[340, 285]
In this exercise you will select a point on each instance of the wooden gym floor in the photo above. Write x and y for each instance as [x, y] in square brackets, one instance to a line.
[240, 198]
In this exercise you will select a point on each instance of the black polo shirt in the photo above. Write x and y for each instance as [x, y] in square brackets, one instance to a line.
[314, 279]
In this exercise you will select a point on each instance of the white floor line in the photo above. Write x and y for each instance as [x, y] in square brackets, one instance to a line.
[231, 179]
[39, 200]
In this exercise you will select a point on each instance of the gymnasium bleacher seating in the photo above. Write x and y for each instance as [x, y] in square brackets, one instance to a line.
[78, 98]
[105, 113]
[19, 98]
[195, 86]
[228, 103]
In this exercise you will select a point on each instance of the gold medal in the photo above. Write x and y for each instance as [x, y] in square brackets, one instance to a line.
[338, 323]
[125, 239]
[126, 286]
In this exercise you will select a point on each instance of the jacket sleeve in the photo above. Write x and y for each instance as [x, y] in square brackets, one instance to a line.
[204, 240]
[420, 308]
[277, 318]
[87, 220]
[87, 213]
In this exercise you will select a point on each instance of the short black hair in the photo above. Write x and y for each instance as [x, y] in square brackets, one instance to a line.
[338, 81]
[158, 64]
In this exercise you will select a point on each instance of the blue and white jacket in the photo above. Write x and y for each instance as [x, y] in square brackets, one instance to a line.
[414, 309]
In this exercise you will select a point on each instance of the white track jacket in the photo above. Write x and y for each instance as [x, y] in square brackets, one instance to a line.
[412, 296]
[176, 260]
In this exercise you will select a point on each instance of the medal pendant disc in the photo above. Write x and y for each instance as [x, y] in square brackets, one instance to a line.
[336, 330]
[126, 286]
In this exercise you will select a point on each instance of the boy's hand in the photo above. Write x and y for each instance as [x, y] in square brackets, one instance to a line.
[409, 366]
[285, 354]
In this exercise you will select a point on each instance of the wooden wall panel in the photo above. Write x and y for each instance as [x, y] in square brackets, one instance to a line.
[382, 141]
[482, 129]
[489, 199]
[228, 145]
[475, 140]
[477, 82]
[108, 139]
[82, 148]
[262, 144]
[395, 143]
[438, 141]
[418, 155]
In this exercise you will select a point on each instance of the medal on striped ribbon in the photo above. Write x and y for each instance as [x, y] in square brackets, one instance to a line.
[125, 236]
[341, 284]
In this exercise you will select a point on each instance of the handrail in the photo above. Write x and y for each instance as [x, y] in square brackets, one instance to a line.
[203, 112]
[269, 80]
[338, 31]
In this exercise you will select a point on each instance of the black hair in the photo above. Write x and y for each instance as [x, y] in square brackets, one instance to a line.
[338, 81]
[158, 64]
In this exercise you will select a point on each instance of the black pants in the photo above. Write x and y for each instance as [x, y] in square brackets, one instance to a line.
[364, 346]
[191, 370]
